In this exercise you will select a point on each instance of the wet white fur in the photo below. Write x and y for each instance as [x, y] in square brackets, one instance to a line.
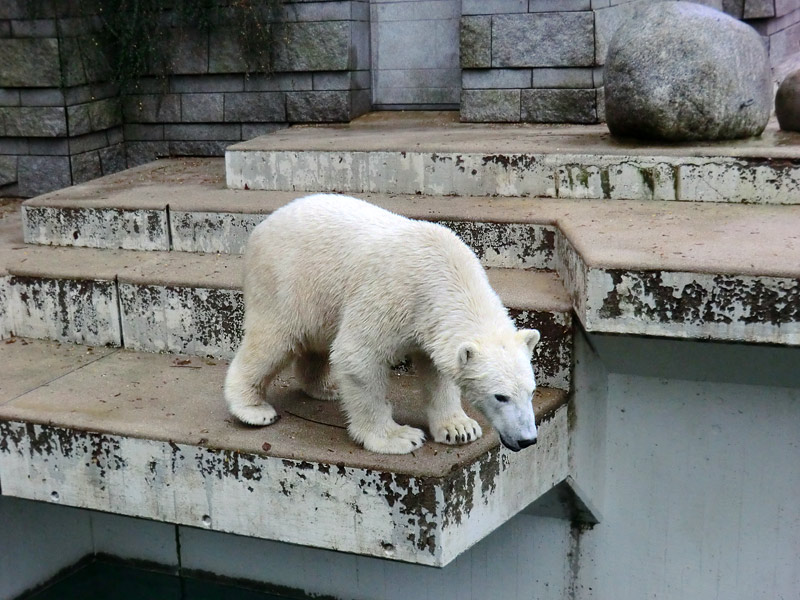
[346, 290]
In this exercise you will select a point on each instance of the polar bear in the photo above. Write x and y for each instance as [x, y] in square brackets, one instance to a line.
[345, 290]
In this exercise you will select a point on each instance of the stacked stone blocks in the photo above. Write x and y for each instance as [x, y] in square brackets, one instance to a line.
[62, 122]
[531, 61]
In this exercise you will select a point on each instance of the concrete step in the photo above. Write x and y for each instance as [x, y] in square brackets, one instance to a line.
[675, 269]
[434, 154]
[183, 206]
[182, 302]
[148, 435]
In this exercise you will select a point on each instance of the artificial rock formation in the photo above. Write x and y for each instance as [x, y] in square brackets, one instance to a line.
[679, 71]
[787, 102]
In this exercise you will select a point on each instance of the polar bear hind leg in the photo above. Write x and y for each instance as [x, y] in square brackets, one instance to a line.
[447, 421]
[313, 371]
[362, 383]
[261, 356]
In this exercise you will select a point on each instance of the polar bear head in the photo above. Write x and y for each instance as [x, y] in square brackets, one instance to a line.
[495, 375]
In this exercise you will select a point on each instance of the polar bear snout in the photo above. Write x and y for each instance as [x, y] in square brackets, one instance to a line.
[519, 444]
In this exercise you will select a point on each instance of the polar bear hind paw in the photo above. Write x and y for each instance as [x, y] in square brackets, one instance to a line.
[459, 429]
[260, 415]
[400, 440]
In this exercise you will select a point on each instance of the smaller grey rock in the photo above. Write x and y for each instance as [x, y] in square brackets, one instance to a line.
[787, 102]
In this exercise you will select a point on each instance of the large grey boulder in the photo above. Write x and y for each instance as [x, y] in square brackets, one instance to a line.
[680, 71]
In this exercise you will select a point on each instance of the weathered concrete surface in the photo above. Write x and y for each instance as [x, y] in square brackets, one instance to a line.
[129, 229]
[429, 153]
[191, 303]
[705, 249]
[28, 364]
[148, 435]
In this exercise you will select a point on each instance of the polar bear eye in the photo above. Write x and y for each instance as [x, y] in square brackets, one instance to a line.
[501, 398]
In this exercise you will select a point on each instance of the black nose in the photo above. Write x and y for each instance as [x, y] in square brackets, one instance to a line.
[526, 443]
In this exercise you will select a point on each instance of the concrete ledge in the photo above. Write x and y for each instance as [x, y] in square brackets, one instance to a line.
[429, 153]
[148, 435]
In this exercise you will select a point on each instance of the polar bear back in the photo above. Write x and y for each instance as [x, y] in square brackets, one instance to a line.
[321, 256]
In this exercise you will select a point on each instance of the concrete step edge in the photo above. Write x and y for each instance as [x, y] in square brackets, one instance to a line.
[566, 162]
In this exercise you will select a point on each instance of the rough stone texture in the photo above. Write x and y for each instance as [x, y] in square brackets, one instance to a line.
[563, 78]
[30, 62]
[202, 107]
[255, 107]
[543, 40]
[33, 121]
[490, 106]
[94, 116]
[225, 52]
[8, 170]
[152, 108]
[558, 105]
[492, 7]
[320, 46]
[40, 174]
[317, 107]
[759, 9]
[681, 71]
[76, 311]
[476, 42]
[85, 166]
[787, 103]
[496, 79]
[198, 321]
[96, 228]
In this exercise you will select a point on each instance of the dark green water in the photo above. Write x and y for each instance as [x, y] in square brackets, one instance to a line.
[109, 581]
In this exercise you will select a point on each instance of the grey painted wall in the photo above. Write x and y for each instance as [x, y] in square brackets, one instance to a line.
[415, 53]
[37, 541]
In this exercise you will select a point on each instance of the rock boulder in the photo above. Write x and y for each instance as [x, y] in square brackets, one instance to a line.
[787, 103]
[680, 71]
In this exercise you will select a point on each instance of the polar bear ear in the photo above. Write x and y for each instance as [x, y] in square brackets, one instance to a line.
[530, 337]
[466, 352]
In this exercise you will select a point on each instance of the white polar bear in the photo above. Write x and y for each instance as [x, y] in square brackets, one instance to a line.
[346, 290]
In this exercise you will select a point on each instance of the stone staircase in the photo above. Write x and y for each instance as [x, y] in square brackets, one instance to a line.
[142, 269]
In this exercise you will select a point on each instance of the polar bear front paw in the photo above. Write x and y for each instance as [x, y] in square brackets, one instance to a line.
[260, 415]
[458, 429]
[400, 440]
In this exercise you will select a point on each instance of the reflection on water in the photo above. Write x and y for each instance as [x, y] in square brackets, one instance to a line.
[110, 581]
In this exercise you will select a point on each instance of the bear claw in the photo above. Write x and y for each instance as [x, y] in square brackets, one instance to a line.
[400, 440]
[459, 429]
[258, 416]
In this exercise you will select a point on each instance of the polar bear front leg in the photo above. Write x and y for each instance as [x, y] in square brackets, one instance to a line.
[260, 357]
[362, 387]
[447, 421]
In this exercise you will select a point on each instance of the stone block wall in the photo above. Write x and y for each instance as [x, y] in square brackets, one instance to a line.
[209, 101]
[60, 119]
[541, 61]
[62, 122]
[778, 21]
[529, 60]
